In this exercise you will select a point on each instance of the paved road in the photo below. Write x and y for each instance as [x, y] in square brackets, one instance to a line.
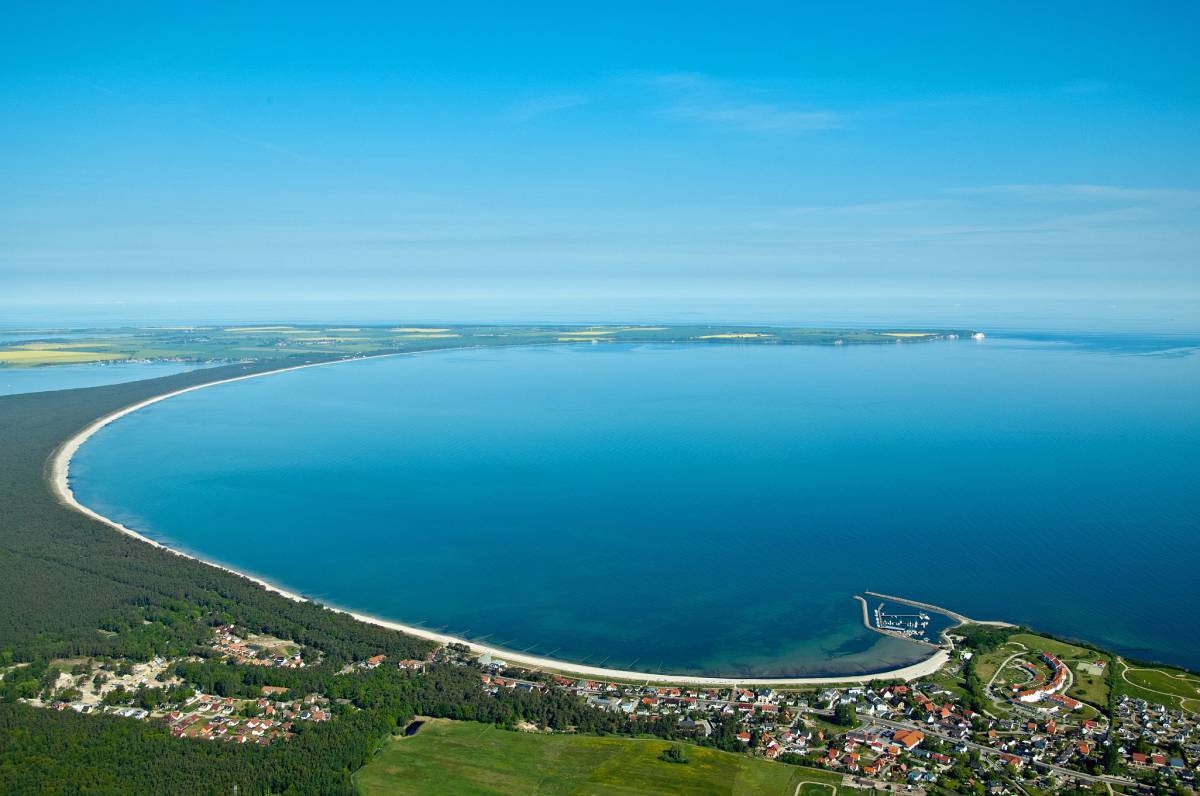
[987, 750]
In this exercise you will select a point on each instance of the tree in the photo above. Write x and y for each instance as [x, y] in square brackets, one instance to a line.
[845, 714]
[674, 754]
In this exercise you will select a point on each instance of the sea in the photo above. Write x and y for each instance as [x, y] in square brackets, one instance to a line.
[14, 380]
[698, 509]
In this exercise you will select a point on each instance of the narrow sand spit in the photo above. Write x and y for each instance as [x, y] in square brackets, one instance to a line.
[59, 481]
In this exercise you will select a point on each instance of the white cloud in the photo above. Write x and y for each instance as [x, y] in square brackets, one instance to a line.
[759, 117]
[696, 97]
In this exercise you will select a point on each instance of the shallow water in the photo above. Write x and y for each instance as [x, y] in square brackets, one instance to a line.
[705, 509]
[68, 377]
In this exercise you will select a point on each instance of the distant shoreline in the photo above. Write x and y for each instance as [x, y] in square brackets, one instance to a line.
[60, 485]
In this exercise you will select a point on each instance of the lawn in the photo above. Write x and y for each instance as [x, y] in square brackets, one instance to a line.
[949, 683]
[830, 729]
[986, 663]
[1091, 688]
[451, 757]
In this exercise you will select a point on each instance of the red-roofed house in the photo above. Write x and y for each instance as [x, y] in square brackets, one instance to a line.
[909, 739]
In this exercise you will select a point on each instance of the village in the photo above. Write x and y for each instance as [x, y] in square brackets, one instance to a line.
[1029, 737]
[150, 691]
[905, 735]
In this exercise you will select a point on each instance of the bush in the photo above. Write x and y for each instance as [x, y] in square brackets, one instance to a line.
[674, 754]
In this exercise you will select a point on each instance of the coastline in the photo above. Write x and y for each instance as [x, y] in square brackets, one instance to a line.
[59, 472]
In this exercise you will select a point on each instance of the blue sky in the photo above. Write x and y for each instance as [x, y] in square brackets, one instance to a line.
[224, 152]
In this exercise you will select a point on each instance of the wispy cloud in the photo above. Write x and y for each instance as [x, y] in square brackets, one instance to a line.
[1067, 219]
[758, 117]
[871, 208]
[91, 84]
[264, 145]
[202, 121]
[699, 98]
[1082, 192]
[540, 106]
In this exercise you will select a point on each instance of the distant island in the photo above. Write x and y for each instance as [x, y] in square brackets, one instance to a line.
[281, 342]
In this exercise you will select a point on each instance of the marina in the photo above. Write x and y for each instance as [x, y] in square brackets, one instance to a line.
[907, 619]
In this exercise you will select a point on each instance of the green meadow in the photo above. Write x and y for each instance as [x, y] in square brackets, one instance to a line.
[463, 758]
[1171, 687]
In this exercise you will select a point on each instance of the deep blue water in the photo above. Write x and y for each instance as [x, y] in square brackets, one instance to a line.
[67, 377]
[697, 508]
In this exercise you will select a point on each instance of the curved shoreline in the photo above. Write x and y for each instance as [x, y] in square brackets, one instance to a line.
[59, 482]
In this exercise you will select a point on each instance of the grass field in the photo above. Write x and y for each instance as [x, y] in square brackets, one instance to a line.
[1091, 688]
[986, 663]
[28, 357]
[1161, 685]
[1039, 644]
[817, 789]
[450, 757]
[1086, 687]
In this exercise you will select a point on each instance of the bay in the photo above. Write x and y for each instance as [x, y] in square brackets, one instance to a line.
[705, 509]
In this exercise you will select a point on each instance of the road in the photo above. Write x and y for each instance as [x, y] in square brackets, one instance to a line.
[987, 750]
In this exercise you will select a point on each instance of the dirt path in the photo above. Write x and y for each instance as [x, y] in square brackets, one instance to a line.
[1126, 669]
[999, 669]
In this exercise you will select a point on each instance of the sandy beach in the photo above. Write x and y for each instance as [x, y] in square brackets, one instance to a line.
[59, 481]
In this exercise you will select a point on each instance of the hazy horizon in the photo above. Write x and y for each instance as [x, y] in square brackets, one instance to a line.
[259, 156]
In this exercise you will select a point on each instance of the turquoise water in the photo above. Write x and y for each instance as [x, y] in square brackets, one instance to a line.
[707, 509]
[68, 377]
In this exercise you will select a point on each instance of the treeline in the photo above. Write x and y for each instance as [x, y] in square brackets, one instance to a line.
[977, 700]
[72, 586]
[445, 691]
[44, 751]
[49, 752]
[985, 638]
